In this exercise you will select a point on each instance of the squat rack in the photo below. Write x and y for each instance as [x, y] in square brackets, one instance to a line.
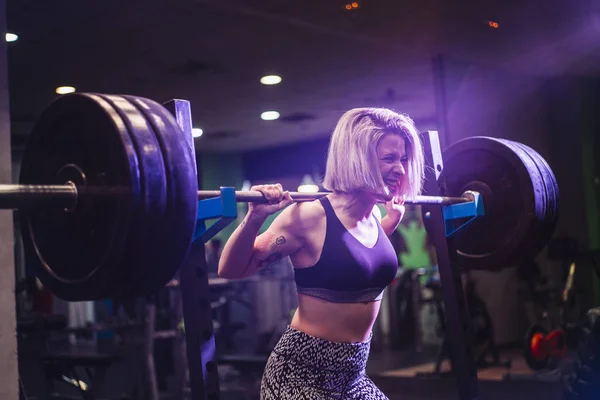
[200, 340]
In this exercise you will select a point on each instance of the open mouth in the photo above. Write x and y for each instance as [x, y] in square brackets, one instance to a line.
[391, 183]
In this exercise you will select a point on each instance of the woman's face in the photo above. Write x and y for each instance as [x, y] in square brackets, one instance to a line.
[391, 153]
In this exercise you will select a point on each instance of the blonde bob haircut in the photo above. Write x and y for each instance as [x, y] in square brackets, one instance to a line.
[352, 162]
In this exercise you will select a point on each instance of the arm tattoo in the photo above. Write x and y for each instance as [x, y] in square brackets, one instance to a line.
[268, 243]
[263, 243]
[278, 241]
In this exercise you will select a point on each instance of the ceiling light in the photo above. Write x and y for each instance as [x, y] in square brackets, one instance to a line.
[269, 115]
[11, 37]
[65, 89]
[246, 186]
[270, 80]
[197, 132]
[308, 185]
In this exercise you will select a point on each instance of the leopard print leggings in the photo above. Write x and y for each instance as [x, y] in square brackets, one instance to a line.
[305, 367]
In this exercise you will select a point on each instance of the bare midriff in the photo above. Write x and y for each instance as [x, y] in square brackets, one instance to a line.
[336, 322]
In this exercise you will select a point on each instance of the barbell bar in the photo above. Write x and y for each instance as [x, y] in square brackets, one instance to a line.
[108, 197]
[257, 197]
[20, 197]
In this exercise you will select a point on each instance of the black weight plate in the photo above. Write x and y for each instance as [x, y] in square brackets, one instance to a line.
[182, 190]
[551, 185]
[553, 198]
[148, 240]
[511, 203]
[535, 239]
[78, 254]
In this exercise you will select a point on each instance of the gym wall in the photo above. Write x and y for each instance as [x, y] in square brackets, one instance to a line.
[288, 161]
[222, 169]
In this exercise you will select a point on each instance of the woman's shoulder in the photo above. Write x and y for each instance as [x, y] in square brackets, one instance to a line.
[305, 215]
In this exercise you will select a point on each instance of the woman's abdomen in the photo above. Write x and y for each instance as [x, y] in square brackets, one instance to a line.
[336, 322]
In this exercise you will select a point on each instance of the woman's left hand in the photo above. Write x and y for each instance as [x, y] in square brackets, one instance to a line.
[395, 208]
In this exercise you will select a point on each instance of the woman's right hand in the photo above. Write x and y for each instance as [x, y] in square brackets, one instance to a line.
[277, 199]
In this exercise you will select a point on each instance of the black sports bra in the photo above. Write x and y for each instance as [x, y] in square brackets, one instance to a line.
[348, 271]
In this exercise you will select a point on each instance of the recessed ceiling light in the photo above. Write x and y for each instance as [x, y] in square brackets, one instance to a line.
[270, 80]
[65, 89]
[269, 115]
[197, 132]
[308, 185]
[11, 37]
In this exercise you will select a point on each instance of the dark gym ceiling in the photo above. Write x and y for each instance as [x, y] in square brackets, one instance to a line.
[213, 53]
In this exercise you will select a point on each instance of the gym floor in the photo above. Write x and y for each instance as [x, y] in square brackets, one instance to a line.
[401, 374]
[405, 375]
[394, 371]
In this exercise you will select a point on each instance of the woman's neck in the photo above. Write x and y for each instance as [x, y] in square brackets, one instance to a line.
[357, 206]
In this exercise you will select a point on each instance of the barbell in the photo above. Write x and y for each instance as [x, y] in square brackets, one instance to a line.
[19, 197]
[108, 197]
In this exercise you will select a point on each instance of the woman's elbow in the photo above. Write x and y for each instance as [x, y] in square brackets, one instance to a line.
[223, 272]
[225, 275]
[233, 269]
[228, 273]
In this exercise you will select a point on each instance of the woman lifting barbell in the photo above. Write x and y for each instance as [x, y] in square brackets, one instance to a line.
[342, 257]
